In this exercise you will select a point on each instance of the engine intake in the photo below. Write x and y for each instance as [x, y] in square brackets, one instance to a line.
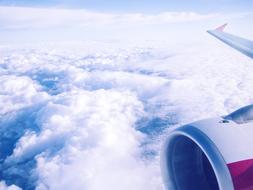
[212, 154]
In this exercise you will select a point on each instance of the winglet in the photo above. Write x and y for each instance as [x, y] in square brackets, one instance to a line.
[221, 28]
[243, 45]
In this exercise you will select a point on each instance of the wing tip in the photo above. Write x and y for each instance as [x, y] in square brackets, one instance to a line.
[222, 27]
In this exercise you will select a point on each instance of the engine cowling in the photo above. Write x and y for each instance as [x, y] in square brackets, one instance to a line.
[212, 154]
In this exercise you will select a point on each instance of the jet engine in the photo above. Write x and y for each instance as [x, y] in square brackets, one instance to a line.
[212, 154]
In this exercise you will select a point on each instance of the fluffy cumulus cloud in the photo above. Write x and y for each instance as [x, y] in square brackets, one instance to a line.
[18, 92]
[3, 186]
[94, 115]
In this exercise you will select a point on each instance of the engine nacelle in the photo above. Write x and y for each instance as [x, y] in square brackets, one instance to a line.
[212, 154]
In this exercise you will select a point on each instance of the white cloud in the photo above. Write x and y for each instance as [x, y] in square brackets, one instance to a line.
[73, 113]
[24, 24]
[21, 18]
[3, 186]
[18, 93]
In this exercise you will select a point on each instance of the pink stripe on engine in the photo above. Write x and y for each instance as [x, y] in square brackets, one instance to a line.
[242, 174]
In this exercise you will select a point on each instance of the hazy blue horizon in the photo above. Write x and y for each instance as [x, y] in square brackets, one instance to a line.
[174, 21]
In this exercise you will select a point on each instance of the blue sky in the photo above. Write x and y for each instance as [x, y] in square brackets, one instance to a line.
[151, 6]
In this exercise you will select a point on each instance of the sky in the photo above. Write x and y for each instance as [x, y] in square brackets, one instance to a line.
[141, 5]
[56, 20]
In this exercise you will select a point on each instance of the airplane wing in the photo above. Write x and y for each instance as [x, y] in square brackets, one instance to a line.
[243, 45]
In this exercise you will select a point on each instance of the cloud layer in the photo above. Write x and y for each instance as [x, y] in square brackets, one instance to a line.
[22, 18]
[29, 25]
[94, 115]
